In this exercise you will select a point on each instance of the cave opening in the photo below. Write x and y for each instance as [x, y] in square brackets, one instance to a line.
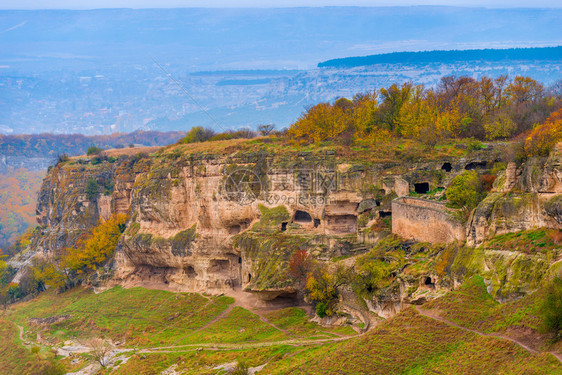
[234, 229]
[316, 223]
[421, 187]
[249, 277]
[284, 226]
[447, 167]
[190, 272]
[428, 282]
[383, 214]
[302, 217]
[239, 260]
[476, 165]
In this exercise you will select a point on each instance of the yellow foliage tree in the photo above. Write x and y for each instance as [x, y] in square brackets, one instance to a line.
[545, 136]
[96, 248]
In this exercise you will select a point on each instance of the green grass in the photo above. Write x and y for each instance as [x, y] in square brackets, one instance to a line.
[413, 344]
[15, 358]
[141, 317]
[296, 321]
[406, 344]
[529, 241]
[471, 306]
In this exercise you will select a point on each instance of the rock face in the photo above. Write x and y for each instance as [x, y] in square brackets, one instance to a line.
[524, 197]
[204, 222]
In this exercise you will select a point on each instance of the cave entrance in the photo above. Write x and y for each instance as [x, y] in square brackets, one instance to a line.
[447, 167]
[476, 165]
[249, 277]
[383, 214]
[284, 226]
[239, 260]
[190, 272]
[421, 187]
[429, 283]
[316, 223]
[302, 217]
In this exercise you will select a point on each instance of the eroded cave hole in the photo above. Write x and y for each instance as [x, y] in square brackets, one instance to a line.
[421, 187]
[284, 226]
[428, 282]
[190, 272]
[234, 229]
[316, 223]
[249, 277]
[383, 214]
[447, 167]
[302, 217]
[476, 165]
[220, 265]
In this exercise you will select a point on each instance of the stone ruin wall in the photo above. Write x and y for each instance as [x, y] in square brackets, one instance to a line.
[425, 221]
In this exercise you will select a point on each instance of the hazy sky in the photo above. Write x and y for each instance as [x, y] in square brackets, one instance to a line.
[95, 4]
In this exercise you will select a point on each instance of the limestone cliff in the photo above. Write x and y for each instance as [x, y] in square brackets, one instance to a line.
[202, 221]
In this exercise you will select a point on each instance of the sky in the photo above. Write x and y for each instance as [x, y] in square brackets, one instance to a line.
[97, 4]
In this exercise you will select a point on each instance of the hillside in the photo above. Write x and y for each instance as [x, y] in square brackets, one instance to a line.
[416, 232]
[219, 235]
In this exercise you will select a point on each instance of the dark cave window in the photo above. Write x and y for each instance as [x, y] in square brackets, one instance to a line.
[447, 167]
[316, 223]
[283, 227]
[303, 217]
[421, 187]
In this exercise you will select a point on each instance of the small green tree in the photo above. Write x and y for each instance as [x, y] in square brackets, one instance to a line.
[93, 150]
[465, 192]
[92, 189]
[198, 134]
[552, 309]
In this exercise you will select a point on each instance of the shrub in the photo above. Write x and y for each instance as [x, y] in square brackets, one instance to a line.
[322, 309]
[93, 150]
[92, 189]
[465, 192]
[552, 309]
[198, 134]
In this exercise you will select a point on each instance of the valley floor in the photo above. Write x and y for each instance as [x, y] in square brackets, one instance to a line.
[159, 332]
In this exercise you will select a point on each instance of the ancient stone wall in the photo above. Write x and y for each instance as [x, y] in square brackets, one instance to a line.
[425, 221]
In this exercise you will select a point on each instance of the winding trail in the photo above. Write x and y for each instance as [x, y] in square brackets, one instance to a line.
[433, 315]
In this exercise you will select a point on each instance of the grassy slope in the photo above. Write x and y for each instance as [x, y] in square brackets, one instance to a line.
[407, 344]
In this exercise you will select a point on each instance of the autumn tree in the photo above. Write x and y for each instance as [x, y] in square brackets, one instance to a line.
[300, 265]
[543, 137]
[96, 248]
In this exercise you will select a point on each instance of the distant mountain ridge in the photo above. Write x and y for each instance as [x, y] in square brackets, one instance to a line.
[450, 56]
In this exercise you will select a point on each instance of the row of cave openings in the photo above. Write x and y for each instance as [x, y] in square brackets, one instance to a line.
[423, 187]
[301, 217]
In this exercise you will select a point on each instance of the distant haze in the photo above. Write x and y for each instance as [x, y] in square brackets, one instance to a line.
[139, 4]
[92, 71]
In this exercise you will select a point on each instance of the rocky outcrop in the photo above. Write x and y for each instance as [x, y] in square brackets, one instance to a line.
[524, 197]
[213, 222]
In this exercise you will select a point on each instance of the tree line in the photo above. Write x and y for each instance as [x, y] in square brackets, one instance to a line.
[485, 109]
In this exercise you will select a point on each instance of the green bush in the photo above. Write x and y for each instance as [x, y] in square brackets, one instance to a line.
[552, 309]
[92, 189]
[465, 192]
[93, 150]
[322, 309]
[198, 134]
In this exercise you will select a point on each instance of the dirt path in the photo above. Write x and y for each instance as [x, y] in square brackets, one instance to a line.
[231, 346]
[21, 334]
[433, 315]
